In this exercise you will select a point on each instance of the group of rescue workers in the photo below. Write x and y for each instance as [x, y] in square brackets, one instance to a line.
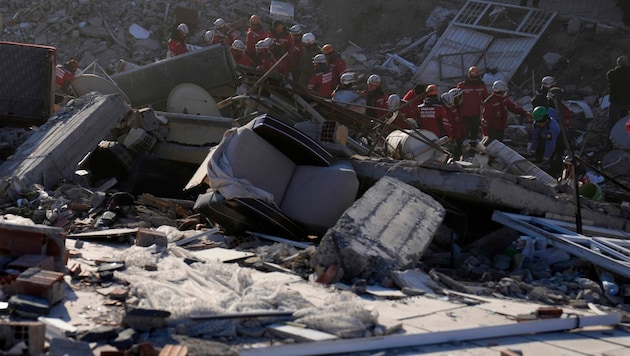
[459, 113]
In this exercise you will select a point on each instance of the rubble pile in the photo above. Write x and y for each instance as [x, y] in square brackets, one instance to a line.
[102, 178]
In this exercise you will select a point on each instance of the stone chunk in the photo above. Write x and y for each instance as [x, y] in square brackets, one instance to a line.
[388, 228]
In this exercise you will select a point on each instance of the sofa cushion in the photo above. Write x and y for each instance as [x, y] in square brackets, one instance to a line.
[317, 196]
[253, 158]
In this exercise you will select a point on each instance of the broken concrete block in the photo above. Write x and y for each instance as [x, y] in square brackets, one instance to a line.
[388, 228]
[28, 306]
[99, 333]
[29, 333]
[54, 151]
[25, 262]
[148, 237]
[61, 347]
[145, 319]
[41, 283]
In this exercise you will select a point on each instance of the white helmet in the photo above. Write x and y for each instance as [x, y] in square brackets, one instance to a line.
[264, 44]
[393, 102]
[448, 99]
[218, 23]
[183, 28]
[296, 29]
[238, 45]
[499, 86]
[548, 82]
[209, 35]
[348, 78]
[374, 79]
[308, 38]
[456, 92]
[319, 58]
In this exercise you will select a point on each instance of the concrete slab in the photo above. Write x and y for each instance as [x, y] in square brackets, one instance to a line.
[523, 344]
[465, 317]
[388, 228]
[575, 341]
[413, 307]
[54, 151]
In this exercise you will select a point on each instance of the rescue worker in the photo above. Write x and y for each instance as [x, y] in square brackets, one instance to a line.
[282, 39]
[336, 63]
[295, 52]
[211, 37]
[546, 143]
[226, 34]
[177, 41]
[311, 49]
[255, 33]
[264, 58]
[432, 114]
[397, 120]
[65, 74]
[453, 101]
[321, 79]
[544, 98]
[475, 92]
[619, 90]
[240, 57]
[375, 98]
[495, 112]
[414, 97]
[345, 93]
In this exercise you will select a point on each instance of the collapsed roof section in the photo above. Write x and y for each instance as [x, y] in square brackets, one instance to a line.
[495, 37]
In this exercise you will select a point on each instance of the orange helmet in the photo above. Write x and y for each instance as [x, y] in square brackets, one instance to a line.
[327, 49]
[473, 72]
[432, 89]
[254, 20]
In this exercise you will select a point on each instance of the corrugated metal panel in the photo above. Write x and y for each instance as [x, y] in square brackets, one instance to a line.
[477, 36]
[505, 56]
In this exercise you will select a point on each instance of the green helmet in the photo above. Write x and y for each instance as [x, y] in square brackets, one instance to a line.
[540, 113]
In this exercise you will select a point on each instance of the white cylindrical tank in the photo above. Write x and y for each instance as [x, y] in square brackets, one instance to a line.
[404, 144]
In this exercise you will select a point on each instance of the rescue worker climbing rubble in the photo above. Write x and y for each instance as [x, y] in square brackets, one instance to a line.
[336, 63]
[375, 98]
[544, 97]
[346, 94]
[310, 50]
[283, 41]
[264, 58]
[495, 112]
[321, 79]
[177, 41]
[226, 34]
[453, 100]
[295, 52]
[546, 143]
[255, 33]
[240, 57]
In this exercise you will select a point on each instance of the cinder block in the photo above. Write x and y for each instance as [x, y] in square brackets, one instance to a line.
[148, 237]
[40, 283]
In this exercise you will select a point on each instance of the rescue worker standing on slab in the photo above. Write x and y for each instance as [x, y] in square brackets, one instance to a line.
[453, 101]
[546, 143]
[375, 98]
[432, 114]
[475, 92]
[336, 63]
[255, 33]
[321, 80]
[495, 112]
[619, 89]
[177, 41]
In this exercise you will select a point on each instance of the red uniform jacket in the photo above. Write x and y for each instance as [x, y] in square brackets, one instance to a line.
[242, 59]
[228, 35]
[176, 47]
[321, 81]
[376, 101]
[254, 34]
[284, 41]
[266, 60]
[432, 116]
[337, 66]
[495, 110]
[474, 93]
[411, 110]
[458, 129]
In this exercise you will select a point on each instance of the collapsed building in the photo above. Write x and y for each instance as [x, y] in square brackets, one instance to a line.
[146, 148]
